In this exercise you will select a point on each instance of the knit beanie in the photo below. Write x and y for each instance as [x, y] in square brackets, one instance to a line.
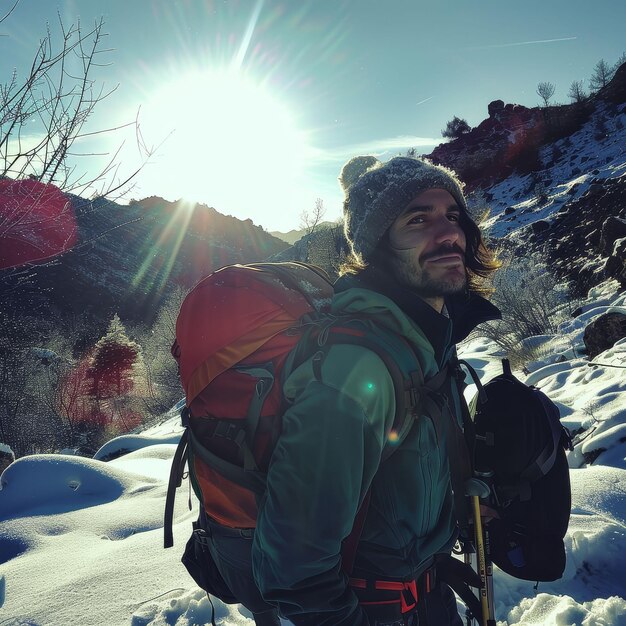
[377, 193]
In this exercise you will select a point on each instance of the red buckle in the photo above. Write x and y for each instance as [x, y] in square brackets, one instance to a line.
[411, 587]
[408, 592]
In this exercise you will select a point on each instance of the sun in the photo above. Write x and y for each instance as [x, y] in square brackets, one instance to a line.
[229, 143]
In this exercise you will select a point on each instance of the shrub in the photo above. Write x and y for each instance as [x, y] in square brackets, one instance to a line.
[455, 128]
[532, 302]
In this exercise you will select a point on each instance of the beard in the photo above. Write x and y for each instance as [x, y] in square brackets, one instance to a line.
[426, 280]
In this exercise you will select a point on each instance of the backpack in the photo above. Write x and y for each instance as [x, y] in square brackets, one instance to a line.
[240, 331]
[519, 446]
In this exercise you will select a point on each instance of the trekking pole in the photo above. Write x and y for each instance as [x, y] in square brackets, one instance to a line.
[491, 621]
[482, 563]
[468, 551]
[487, 477]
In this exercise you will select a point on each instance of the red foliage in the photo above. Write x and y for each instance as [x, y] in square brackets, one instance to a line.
[111, 369]
[36, 222]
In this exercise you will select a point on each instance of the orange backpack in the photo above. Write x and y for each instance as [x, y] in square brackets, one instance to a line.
[232, 341]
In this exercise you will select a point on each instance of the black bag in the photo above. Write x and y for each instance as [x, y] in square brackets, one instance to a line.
[520, 446]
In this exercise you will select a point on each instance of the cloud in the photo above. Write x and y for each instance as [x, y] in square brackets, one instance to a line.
[520, 43]
[376, 147]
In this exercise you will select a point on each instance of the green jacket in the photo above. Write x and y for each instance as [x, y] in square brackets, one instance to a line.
[327, 457]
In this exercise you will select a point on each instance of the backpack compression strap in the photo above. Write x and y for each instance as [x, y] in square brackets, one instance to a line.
[176, 478]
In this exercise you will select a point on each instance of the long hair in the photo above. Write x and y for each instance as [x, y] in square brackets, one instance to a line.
[481, 262]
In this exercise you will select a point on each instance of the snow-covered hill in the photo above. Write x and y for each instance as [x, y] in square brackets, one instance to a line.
[81, 540]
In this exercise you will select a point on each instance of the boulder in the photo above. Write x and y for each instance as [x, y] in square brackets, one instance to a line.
[540, 226]
[616, 264]
[595, 189]
[6, 457]
[493, 108]
[603, 332]
[613, 228]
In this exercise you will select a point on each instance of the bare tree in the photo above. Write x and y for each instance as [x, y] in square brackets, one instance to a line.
[602, 74]
[310, 220]
[162, 382]
[545, 91]
[329, 248]
[43, 115]
[577, 91]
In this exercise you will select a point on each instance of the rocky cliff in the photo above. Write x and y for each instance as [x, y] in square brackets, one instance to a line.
[510, 139]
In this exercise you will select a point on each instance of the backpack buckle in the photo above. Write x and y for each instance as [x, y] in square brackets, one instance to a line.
[230, 431]
[412, 393]
[408, 596]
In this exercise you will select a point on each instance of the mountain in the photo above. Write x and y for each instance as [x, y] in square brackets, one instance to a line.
[512, 137]
[127, 258]
[554, 180]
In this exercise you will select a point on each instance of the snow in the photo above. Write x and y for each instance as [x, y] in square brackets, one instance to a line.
[81, 540]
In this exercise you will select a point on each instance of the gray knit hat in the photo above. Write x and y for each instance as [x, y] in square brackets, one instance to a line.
[377, 193]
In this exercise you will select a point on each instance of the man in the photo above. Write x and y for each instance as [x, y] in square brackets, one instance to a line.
[417, 267]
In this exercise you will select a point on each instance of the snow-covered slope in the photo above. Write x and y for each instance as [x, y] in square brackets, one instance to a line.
[570, 166]
[81, 540]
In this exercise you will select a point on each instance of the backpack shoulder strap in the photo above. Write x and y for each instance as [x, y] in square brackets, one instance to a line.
[401, 363]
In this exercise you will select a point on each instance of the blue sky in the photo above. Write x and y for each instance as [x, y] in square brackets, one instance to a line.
[256, 104]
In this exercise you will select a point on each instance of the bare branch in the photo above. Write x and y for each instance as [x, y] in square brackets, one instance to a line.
[9, 11]
[310, 220]
[545, 91]
[43, 116]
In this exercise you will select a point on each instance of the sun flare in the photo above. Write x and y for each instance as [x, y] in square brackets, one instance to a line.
[229, 143]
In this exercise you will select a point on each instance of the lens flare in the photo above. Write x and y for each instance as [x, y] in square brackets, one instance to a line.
[393, 438]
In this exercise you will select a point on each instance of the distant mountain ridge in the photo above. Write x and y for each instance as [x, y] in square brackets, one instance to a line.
[294, 235]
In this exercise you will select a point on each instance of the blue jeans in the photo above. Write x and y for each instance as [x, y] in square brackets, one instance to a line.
[231, 551]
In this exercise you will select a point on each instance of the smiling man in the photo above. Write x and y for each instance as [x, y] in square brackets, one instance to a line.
[417, 271]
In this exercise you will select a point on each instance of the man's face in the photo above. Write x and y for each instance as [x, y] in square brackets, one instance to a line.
[428, 247]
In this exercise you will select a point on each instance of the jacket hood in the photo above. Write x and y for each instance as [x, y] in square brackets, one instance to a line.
[381, 310]
[403, 312]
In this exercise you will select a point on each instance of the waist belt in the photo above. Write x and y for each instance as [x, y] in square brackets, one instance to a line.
[405, 593]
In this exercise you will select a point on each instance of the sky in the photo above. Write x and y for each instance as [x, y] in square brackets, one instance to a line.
[81, 540]
[253, 106]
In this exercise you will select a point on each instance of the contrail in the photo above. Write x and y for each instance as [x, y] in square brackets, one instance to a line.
[424, 100]
[520, 43]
